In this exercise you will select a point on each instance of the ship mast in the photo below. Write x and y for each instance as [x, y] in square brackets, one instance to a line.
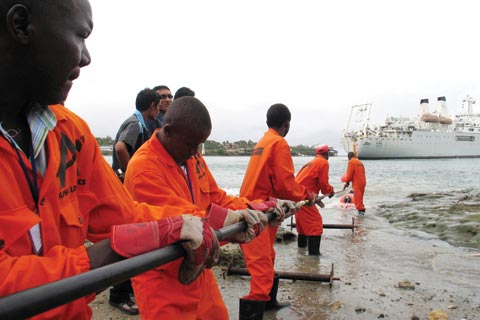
[470, 102]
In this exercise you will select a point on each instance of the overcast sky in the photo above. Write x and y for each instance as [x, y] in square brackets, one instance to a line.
[317, 57]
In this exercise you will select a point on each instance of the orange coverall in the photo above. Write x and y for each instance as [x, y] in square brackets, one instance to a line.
[270, 173]
[314, 177]
[154, 177]
[79, 198]
[356, 175]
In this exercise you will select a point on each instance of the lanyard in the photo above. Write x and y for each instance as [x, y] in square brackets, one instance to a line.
[34, 232]
[32, 184]
[187, 176]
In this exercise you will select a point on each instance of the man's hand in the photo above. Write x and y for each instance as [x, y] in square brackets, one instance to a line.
[318, 201]
[331, 194]
[196, 236]
[219, 217]
[345, 186]
[277, 206]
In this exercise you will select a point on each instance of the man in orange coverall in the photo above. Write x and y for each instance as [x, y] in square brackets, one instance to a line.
[57, 190]
[314, 177]
[168, 169]
[356, 175]
[270, 173]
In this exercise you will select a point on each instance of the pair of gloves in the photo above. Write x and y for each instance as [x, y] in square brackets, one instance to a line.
[195, 235]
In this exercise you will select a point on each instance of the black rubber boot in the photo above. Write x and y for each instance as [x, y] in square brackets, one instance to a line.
[314, 245]
[120, 298]
[251, 309]
[274, 303]
[302, 240]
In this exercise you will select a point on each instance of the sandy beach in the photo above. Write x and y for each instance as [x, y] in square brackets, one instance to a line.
[371, 263]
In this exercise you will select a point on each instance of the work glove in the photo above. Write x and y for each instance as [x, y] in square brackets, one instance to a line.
[277, 206]
[219, 217]
[195, 236]
[331, 195]
[314, 199]
[345, 186]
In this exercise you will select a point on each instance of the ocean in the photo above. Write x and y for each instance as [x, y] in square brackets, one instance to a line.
[439, 196]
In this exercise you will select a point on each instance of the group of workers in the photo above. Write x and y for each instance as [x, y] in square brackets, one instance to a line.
[58, 191]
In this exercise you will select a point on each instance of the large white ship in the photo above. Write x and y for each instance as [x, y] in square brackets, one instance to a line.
[430, 135]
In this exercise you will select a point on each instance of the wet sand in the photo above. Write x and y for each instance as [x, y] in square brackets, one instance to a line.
[370, 263]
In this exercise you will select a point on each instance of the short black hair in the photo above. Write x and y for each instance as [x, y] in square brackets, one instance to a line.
[350, 155]
[160, 87]
[277, 115]
[188, 112]
[184, 92]
[145, 99]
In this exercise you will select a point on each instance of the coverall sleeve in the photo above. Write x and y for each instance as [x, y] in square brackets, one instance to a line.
[350, 171]
[109, 202]
[283, 178]
[325, 186]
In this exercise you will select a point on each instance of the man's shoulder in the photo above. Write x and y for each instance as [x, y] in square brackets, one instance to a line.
[65, 115]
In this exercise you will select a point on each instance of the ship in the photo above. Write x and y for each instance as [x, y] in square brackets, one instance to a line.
[434, 134]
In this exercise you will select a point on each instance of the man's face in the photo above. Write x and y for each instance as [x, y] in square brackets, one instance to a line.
[183, 142]
[59, 50]
[165, 99]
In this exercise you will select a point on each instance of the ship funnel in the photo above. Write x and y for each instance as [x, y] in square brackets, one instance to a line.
[423, 106]
[442, 106]
[443, 111]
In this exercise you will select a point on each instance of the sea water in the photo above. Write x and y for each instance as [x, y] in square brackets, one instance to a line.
[440, 197]
[437, 196]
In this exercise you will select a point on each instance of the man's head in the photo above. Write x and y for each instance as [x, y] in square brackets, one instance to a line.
[278, 118]
[165, 97]
[184, 92]
[186, 125]
[147, 103]
[322, 150]
[42, 45]
[350, 155]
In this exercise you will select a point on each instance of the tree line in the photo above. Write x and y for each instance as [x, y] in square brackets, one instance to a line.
[227, 148]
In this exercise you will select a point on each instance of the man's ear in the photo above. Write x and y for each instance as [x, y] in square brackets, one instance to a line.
[18, 23]
[167, 129]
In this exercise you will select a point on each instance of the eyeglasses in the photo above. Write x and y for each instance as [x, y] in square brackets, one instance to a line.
[165, 96]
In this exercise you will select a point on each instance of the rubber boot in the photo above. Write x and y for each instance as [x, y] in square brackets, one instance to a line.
[274, 303]
[302, 240]
[314, 245]
[251, 309]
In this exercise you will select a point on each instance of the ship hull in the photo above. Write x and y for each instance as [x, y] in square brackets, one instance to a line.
[416, 145]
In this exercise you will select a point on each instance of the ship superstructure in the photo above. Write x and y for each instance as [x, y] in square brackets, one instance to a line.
[434, 134]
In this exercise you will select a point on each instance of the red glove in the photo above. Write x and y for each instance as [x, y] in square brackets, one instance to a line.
[219, 217]
[196, 236]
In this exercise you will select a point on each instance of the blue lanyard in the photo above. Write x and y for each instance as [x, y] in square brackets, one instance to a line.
[33, 184]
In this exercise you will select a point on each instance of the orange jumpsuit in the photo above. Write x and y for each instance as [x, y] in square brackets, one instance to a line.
[154, 177]
[79, 198]
[314, 177]
[356, 175]
[270, 173]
